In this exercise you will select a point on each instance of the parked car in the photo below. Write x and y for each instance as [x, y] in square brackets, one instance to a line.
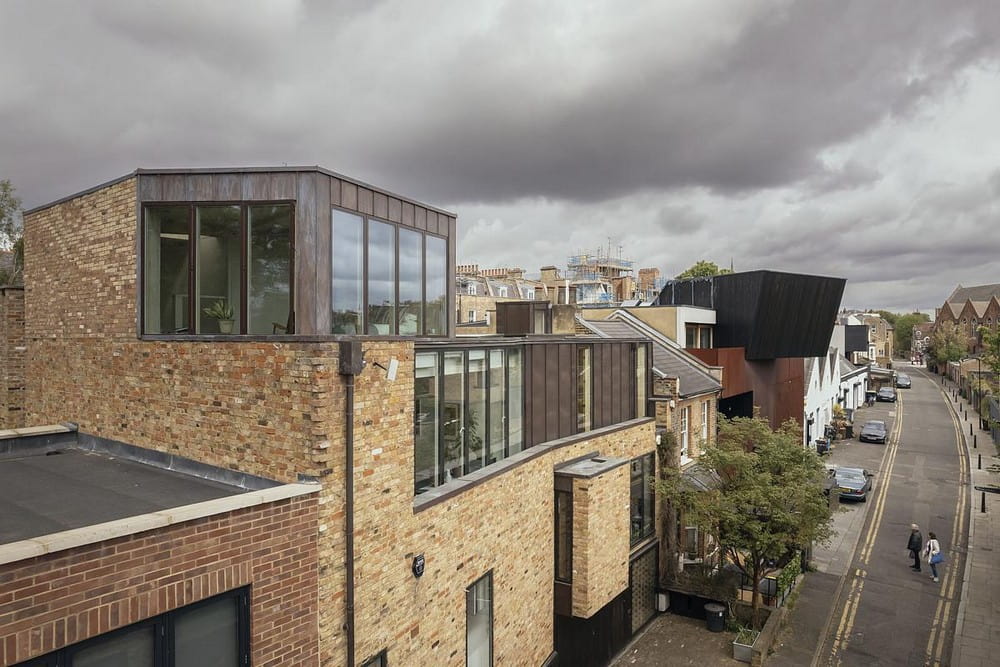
[854, 483]
[886, 394]
[902, 381]
[873, 431]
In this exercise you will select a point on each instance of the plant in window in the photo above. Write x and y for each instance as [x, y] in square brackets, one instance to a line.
[223, 312]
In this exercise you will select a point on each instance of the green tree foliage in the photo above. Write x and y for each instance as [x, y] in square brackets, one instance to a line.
[948, 343]
[769, 500]
[904, 330]
[11, 238]
[702, 269]
[991, 350]
[888, 316]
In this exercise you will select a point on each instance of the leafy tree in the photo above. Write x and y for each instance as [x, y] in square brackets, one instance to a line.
[702, 269]
[948, 343]
[888, 316]
[991, 350]
[11, 232]
[768, 502]
[904, 330]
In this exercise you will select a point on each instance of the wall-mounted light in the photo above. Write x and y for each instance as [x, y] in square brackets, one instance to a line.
[390, 372]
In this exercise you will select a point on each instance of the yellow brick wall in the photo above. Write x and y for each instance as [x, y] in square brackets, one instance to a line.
[277, 409]
[600, 539]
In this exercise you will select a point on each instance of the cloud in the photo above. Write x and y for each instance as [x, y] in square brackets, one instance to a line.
[847, 137]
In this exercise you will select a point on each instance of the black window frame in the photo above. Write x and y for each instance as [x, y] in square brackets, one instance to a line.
[366, 219]
[380, 659]
[486, 425]
[644, 478]
[489, 577]
[566, 492]
[192, 287]
[163, 634]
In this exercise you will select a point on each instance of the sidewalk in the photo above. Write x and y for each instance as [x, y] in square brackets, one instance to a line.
[977, 629]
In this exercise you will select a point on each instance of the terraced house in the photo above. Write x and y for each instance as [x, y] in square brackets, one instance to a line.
[249, 433]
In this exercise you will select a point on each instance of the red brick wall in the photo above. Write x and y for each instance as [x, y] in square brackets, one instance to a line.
[53, 601]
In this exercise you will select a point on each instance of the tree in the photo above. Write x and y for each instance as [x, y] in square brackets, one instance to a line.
[904, 330]
[11, 238]
[990, 355]
[702, 269]
[888, 316]
[948, 343]
[768, 502]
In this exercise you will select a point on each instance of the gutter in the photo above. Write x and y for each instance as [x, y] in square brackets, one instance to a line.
[351, 363]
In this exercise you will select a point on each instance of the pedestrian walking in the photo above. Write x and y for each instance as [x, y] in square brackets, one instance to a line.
[932, 552]
[915, 543]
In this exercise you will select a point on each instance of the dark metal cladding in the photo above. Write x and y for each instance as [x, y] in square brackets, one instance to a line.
[855, 338]
[771, 314]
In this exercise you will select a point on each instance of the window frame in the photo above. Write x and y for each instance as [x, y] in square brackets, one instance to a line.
[705, 407]
[192, 255]
[441, 465]
[366, 221]
[163, 624]
[470, 589]
[646, 473]
[685, 428]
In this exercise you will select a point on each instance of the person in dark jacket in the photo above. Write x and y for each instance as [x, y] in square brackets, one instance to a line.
[915, 543]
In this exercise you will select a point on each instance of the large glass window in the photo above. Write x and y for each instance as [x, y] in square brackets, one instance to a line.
[476, 421]
[641, 501]
[212, 632]
[348, 272]
[381, 278]
[425, 415]
[269, 268]
[515, 401]
[411, 282]
[241, 280]
[583, 389]
[640, 381]
[685, 425]
[564, 536]
[453, 414]
[476, 430]
[437, 286]
[479, 623]
[498, 402]
[218, 269]
[165, 269]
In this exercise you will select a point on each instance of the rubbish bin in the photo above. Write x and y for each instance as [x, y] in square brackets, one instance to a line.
[822, 446]
[715, 615]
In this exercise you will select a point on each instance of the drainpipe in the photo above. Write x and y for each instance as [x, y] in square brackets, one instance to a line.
[351, 363]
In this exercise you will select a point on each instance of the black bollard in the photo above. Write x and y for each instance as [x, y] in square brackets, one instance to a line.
[974, 437]
[982, 505]
[979, 466]
[970, 428]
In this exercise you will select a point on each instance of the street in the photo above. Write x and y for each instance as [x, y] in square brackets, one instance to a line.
[884, 613]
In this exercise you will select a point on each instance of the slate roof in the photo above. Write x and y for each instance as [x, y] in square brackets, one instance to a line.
[671, 362]
[974, 293]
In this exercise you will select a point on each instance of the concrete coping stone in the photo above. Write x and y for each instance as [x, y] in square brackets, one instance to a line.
[33, 430]
[109, 530]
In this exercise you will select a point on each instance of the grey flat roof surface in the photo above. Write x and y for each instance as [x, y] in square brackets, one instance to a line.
[40, 495]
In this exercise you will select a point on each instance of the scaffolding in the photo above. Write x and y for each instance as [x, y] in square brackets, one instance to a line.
[601, 265]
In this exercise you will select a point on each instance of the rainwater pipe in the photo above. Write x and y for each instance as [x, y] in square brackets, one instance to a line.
[351, 364]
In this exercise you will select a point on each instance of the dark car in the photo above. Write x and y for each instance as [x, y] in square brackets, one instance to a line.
[853, 483]
[902, 381]
[887, 394]
[873, 431]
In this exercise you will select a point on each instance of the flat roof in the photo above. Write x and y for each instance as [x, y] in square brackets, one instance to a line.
[53, 491]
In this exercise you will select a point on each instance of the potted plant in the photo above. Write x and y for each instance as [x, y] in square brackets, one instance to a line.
[743, 644]
[223, 312]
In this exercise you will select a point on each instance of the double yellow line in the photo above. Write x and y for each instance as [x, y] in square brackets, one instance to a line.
[846, 625]
[942, 614]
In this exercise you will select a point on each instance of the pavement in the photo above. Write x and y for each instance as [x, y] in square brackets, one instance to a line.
[977, 629]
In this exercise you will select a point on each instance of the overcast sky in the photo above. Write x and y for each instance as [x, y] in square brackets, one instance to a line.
[858, 139]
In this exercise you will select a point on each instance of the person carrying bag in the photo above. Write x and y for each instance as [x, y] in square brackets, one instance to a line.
[932, 552]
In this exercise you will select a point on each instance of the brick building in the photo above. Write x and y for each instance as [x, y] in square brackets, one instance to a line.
[293, 325]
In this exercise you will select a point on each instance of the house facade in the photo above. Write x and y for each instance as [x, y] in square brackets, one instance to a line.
[970, 308]
[477, 500]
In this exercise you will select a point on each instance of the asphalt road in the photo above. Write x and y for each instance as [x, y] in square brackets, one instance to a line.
[884, 613]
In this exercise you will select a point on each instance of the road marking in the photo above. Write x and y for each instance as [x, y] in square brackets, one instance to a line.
[942, 613]
[842, 637]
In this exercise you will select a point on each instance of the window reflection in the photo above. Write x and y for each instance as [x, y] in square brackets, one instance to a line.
[269, 269]
[476, 421]
[583, 392]
[165, 269]
[437, 286]
[425, 417]
[411, 274]
[218, 269]
[381, 278]
[348, 257]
